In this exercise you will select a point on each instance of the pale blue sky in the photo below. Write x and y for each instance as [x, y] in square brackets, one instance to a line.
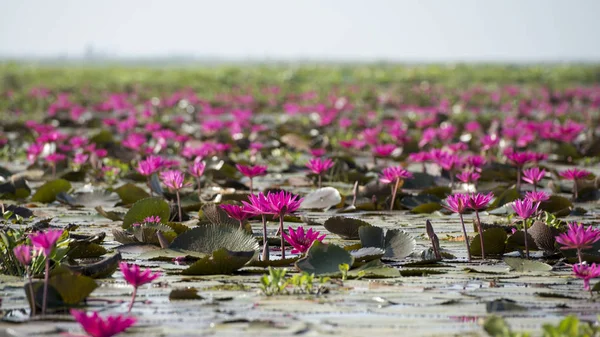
[420, 30]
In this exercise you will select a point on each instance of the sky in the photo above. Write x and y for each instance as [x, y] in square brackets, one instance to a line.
[368, 30]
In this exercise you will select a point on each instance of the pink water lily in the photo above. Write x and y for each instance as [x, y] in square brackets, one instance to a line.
[236, 212]
[258, 205]
[197, 170]
[175, 181]
[394, 175]
[46, 241]
[252, 172]
[282, 203]
[525, 209]
[477, 202]
[533, 176]
[579, 238]
[136, 277]
[318, 166]
[458, 203]
[302, 240]
[576, 175]
[96, 326]
[586, 272]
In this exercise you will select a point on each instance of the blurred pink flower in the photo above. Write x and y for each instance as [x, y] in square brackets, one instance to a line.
[96, 326]
[301, 240]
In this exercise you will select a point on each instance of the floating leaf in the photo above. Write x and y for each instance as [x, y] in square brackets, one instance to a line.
[273, 262]
[114, 216]
[74, 176]
[544, 236]
[429, 207]
[398, 244]
[439, 191]
[101, 269]
[420, 181]
[366, 254]
[494, 240]
[102, 137]
[144, 208]
[23, 212]
[508, 195]
[184, 294]
[371, 236]
[324, 259]
[517, 242]
[72, 288]
[375, 269]
[503, 304]
[208, 238]
[83, 249]
[221, 262]
[47, 192]
[413, 201]
[526, 266]
[420, 272]
[322, 198]
[217, 216]
[346, 228]
[130, 193]
[167, 254]
[557, 205]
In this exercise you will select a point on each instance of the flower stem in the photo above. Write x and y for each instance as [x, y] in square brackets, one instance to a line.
[199, 189]
[579, 255]
[320, 181]
[526, 244]
[31, 294]
[251, 185]
[149, 186]
[462, 222]
[282, 239]
[46, 280]
[178, 205]
[132, 299]
[241, 224]
[480, 229]
[575, 190]
[394, 191]
[518, 180]
[265, 254]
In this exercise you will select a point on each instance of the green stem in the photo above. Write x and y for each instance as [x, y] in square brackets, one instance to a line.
[579, 255]
[394, 191]
[526, 244]
[31, 294]
[178, 205]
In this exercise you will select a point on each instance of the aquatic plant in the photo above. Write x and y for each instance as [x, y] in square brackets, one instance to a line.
[136, 277]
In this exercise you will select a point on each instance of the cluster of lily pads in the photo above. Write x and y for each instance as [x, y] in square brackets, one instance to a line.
[204, 180]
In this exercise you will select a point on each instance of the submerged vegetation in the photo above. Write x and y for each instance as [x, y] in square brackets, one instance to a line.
[324, 183]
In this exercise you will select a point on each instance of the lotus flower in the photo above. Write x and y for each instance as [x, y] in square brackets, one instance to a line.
[525, 208]
[134, 276]
[533, 176]
[578, 237]
[197, 170]
[46, 241]
[537, 197]
[477, 202]
[96, 326]
[395, 175]
[236, 212]
[318, 166]
[282, 203]
[259, 205]
[23, 254]
[574, 174]
[586, 272]
[174, 180]
[301, 240]
[458, 203]
[251, 172]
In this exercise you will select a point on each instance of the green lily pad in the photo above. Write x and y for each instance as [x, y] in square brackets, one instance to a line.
[517, 242]
[74, 176]
[274, 263]
[427, 208]
[101, 269]
[114, 216]
[221, 262]
[366, 254]
[439, 191]
[544, 236]
[217, 216]
[47, 192]
[494, 240]
[72, 288]
[375, 269]
[420, 272]
[414, 201]
[144, 208]
[557, 205]
[208, 238]
[83, 249]
[324, 259]
[371, 236]
[419, 181]
[346, 228]
[526, 266]
[508, 195]
[503, 304]
[184, 294]
[130, 193]
[102, 137]
[167, 254]
[398, 244]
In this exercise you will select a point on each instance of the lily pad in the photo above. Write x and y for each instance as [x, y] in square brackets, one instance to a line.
[101, 269]
[375, 269]
[526, 266]
[147, 207]
[429, 207]
[130, 193]
[216, 216]
[184, 294]
[414, 201]
[273, 262]
[72, 288]
[47, 192]
[324, 259]
[544, 236]
[114, 216]
[208, 238]
[322, 198]
[398, 244]
[371, 236]
[83, 249]
[438, 191]
[221, 262]
[557, 205]
[505, 197]
[517, 242]
[346, 228]
[494, 240]
[366, 254]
